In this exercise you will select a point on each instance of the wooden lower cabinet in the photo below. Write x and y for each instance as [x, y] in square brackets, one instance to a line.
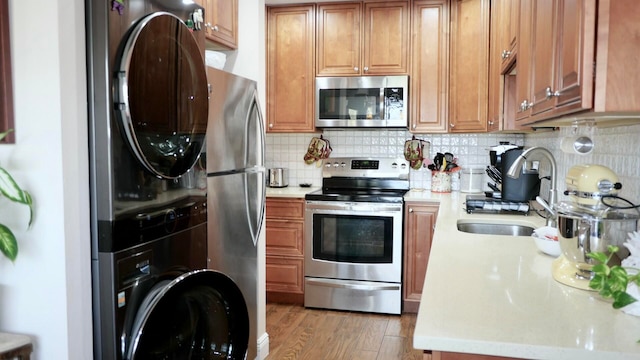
[420, 220]
[285, 250]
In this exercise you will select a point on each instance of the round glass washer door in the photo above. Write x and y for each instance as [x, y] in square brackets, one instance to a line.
[162, 95]
[199, 315]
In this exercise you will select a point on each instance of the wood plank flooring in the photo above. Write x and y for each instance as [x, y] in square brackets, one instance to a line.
[299, 333]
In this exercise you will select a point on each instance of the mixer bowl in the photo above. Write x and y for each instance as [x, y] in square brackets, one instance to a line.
[582, 230]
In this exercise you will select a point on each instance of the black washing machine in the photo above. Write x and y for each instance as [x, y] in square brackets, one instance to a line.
[157, 300]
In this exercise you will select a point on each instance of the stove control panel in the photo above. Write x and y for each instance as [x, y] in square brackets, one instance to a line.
[396, 168]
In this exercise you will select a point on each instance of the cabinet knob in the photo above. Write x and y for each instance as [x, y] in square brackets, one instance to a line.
[410, 210]
[207, 25]
[414, 126]
[356, 69]
[490, 122]
[366, 68]
[550, 93]
[215, 28]
[270, 126]
[452, 125]
[505, 54]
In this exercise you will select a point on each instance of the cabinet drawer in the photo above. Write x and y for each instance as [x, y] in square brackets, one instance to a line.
[285, 208]
[285, 275]
[285, 237]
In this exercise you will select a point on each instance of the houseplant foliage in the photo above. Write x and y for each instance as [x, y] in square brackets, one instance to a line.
[611, 281]
[10, 190]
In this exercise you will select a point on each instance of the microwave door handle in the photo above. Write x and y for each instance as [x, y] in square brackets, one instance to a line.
[382, 105]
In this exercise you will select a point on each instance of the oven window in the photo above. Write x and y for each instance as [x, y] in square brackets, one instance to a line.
[356, 239]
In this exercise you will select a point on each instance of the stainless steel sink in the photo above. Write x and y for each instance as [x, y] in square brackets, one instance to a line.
[495, 229]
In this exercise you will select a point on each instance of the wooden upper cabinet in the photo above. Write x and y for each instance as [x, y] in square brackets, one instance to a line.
[338, 39]
[544, 33]
[522, 69]
[507, 24]
[430, 66]
[469, 65]
[290, 68]
[221, 23]
[370, 38]
[494, 115]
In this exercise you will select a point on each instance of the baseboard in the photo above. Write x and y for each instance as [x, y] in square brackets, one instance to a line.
[263, 347]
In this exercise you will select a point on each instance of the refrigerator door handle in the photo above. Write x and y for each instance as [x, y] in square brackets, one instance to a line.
[255, 127]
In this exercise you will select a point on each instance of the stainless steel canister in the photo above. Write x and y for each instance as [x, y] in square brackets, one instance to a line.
[278, 177]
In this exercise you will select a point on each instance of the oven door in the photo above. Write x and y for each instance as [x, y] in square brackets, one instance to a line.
[354, 241]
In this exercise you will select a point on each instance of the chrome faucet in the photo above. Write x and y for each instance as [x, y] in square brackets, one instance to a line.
[515, 169]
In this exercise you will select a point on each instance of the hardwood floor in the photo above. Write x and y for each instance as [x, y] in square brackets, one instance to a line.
[299, 333]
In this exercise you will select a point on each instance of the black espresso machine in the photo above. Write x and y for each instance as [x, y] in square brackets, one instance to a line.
[509, 195]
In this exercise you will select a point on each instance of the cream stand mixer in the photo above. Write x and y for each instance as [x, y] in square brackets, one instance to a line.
[588, 224]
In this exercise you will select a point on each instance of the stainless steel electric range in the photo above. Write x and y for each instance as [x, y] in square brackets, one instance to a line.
[353, 236]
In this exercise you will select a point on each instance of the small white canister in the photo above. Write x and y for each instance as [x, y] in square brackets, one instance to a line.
[471, 179]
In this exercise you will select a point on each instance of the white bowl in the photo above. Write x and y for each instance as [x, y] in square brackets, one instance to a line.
[548, 246]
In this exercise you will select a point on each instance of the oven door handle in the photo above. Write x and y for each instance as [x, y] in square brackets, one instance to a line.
[349, 206]
[341, 284]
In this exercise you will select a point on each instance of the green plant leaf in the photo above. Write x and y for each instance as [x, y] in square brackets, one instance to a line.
[599, 257]
[8, 243]
[4, 134]
[623, 299]
[11, 190]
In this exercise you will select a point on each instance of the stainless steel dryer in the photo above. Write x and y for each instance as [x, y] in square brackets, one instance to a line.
[148, 108]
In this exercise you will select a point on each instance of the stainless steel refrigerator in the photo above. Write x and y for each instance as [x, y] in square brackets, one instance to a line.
[235, 185]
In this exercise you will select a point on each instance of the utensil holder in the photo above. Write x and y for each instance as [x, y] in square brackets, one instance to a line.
[440, 182]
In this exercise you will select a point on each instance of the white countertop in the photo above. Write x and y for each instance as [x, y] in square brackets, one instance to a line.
[495, 295]
[290, 191]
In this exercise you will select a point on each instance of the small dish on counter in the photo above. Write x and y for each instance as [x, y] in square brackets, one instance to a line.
[546, 239]
[305, 185]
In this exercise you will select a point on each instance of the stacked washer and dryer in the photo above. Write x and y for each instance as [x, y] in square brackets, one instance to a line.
[153, 297]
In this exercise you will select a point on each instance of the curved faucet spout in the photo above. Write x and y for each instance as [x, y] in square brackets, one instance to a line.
[515, 169]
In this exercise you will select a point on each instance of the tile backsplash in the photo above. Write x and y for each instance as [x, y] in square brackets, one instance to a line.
[287, 150]
[616, 148]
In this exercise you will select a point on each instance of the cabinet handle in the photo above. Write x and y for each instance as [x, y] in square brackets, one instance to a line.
[525, 105]
[356, 69]
[410, 210]
[270, 126]
[505, 54]
[414, 126]
[215, 28]
[490, 122]
[452, 125]
[551, 93]
[366, 68]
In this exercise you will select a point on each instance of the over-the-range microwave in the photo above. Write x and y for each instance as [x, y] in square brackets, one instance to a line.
[362, 101]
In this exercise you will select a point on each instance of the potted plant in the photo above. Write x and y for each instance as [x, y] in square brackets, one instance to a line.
[10, 190]
[613, 281]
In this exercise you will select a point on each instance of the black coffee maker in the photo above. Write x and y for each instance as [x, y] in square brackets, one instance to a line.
[526, 187]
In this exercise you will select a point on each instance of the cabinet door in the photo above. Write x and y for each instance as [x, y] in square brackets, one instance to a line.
[285, 237]
[509, 22]
[338, 39]
[542, 64]
[430, 66]
[386, 38]
[290, 68]
[420, 220]
[221, 23]
[576, 51]
[522, 70]
[469, 65]
[285, 275]
[494, 112]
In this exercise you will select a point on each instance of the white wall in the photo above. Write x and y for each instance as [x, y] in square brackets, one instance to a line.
[46, 293]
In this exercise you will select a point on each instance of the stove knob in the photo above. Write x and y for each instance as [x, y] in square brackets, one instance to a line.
[394, 165]
[328, 165]
[343, 164]
[403, 165]
[336, 165]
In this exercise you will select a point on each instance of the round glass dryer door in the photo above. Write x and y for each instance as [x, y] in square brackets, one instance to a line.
[199, 315]
[163, 95]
